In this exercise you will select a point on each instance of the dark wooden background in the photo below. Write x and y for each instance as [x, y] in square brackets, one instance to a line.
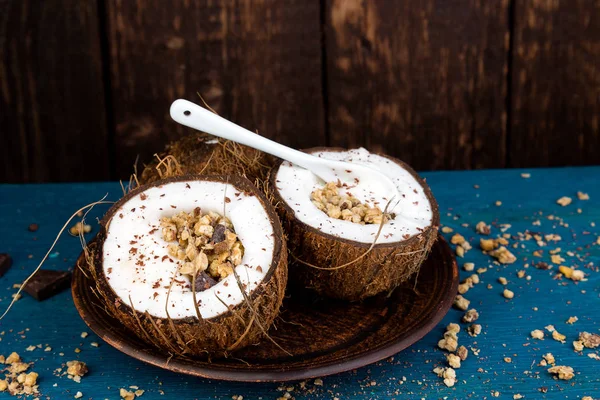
[85, 85]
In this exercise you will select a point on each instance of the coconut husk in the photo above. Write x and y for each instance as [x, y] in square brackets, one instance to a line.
[199, 153]
[244, 324]
[367, 269]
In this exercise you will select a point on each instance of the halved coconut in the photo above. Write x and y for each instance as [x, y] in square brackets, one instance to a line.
[144, 286]
[317, 239]
[201, 153]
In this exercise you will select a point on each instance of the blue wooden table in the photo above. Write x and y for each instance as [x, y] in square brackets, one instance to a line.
[465, 198]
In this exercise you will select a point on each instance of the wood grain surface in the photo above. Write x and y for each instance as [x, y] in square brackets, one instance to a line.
[555, 104]
[255, 62]
[85, 86]
[422, 81]
[52, 116]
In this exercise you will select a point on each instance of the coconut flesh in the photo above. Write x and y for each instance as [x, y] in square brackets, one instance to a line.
[144, 285]
[316, 238]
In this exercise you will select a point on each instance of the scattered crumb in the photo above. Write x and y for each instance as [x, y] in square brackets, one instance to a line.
[462, 353]
[583, 196]
[578, 345]
[84, 335]
[537, 334]
[470, 316]
[474, 330]
[564, 201]
[589, 340]
[525, 175]
[461, 303]
[503, 255]
[558, 337]
[572, 320]
[448, 374]
[509, 294]
[482, 228]
[453, 361]
[126, 394]
[507, 360]
[549, 358]
[469, 266]
[447, 229]
[562, 371]
[78, 395]
[318, 382]
[503, 281]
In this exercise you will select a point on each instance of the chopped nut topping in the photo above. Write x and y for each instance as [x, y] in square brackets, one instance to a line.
[206, 243]
[448, 374]
[549, 358]
[474, 330]
[346, 207]
[578, 345]
[462, 353]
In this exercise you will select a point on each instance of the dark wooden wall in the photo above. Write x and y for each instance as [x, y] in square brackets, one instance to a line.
[85, 85]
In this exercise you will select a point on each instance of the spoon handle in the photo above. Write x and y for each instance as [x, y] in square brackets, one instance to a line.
[192, 115]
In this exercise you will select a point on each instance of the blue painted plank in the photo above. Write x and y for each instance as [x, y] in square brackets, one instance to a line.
[506, 323]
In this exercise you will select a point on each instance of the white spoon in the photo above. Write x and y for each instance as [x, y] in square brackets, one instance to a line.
[367, 184]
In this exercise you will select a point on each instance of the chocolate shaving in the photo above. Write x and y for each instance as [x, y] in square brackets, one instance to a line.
[219, 234]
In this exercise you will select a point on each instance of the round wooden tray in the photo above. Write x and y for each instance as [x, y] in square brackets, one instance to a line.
[325, 336]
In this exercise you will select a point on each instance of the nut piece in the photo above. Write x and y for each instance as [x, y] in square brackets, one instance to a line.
[474, 330]
[461, 303]
[589, 340]
[562, 371]
[126, 395]
[453, 360]
[503, 255]
[558, 337]
[470, 316]
[537, 334]
[76, 368]
[462, 353]
[564, 201]
[469, 266]
[482, 228]
[583, 196]
[578, 345]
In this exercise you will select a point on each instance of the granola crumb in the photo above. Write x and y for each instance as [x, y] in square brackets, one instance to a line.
[503, 255]
[537, 334]
[126, 394]
[549, 358]
[562, 371]
[583, 196]
[469, 266]
[76, 368]
[572, 320]
[558, 337]
[470, 316]
[578, 345]
[564, 201]
[474, 330]
[589, 340]
[482, 228]
[453, 360]
[462, 353]
[461, 303]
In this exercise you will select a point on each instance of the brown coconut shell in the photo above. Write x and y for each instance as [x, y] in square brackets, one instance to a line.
[195, 154]
[385, 267]
[243, 325]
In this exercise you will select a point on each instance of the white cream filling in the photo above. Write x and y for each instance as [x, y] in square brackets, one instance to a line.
[145, 274]
[412, 208]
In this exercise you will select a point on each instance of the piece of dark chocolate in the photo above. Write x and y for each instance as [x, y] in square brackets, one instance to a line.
[46, 283]
[218, 233]
[5, 263]
[203, 281]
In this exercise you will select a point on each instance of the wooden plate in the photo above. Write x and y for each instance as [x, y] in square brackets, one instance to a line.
[325, 336]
